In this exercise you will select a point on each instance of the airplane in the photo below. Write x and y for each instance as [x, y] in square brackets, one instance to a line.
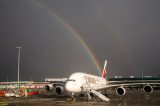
[56, 86]
[80, 82]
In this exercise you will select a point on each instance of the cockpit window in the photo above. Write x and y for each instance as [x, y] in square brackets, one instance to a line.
[71, 80]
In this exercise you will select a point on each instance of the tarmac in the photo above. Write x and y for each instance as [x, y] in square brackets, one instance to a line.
[132, 98]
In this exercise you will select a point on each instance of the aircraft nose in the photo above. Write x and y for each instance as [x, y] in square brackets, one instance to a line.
[72, 87]
[68, 87]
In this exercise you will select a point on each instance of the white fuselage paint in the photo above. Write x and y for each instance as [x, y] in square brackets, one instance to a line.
[79, 81]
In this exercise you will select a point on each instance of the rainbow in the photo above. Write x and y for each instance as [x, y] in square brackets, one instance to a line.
[75, 33]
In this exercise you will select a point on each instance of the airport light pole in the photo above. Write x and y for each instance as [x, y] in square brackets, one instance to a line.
[19, 56]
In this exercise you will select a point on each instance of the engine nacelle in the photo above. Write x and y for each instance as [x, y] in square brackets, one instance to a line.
[49, 87]
[120, 91]
[59, 90]
[148, 89]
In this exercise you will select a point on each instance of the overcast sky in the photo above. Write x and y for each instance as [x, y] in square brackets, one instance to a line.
[125, 32]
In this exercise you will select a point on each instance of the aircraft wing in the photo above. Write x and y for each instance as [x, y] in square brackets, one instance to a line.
[23, 82]
[100, 95]
[122, 85]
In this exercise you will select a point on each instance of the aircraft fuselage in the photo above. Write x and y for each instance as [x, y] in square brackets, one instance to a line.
[82, 82]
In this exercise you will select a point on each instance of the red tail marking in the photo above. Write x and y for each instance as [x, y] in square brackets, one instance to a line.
[104, 69]
[104, 74]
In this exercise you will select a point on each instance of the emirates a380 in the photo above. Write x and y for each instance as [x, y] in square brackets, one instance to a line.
[80, 82]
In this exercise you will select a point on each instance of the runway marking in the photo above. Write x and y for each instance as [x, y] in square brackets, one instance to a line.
[3, 103]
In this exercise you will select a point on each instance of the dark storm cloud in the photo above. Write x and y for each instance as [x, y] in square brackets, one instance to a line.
[125, 32]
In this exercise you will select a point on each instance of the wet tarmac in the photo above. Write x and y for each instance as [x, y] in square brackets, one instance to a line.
[132, 98]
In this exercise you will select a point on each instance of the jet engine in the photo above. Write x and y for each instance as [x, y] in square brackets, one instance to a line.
[49, 87]
[148, 89]
[59, 90]
[120, 91]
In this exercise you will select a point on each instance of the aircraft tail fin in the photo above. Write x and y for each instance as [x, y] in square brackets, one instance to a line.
[104, 72]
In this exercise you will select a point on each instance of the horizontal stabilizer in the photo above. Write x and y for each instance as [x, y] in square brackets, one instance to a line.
[100, 95]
